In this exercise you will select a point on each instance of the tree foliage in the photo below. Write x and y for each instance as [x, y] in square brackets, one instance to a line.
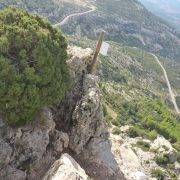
[33, 70]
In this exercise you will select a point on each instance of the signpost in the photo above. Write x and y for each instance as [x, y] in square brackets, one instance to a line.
[98, 48]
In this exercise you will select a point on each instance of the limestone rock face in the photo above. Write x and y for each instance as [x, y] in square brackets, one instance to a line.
[89, 135]
[5, 153]
[61, 141]
[10, 173]
[159, 142]
[82, 117]
[27, 147]
[137, 163]
[79, 60]
[87, 115]
[164, 147]
[66, 168]
[132, 160]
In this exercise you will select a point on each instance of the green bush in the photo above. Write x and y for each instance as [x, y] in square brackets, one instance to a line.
[150, 123]
[177, 146]
[172, 175]
[178, 156]
[33, 70]
[104, 110]
[135, 132]
[172, 138]
[171, 166]
[157, 173]
[108, 119]
[162, 160]
[132, 132]
[163, 131]
[116, 131]
[152, 135]
[115, 122]
[145, 146]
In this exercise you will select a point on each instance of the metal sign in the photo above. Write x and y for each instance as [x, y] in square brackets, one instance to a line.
[104, 48]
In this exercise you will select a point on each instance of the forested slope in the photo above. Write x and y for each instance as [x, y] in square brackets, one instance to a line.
[134, 89]
[125, 21]
[53, 10]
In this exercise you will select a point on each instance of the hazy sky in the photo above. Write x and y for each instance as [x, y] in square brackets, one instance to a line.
[171, 6]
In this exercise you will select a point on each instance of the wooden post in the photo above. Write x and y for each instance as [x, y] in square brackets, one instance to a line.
[98, 48]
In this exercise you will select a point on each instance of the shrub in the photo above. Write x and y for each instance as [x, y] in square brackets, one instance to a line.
[116, 131]
[157, 173]
[171, 166]
[147, 161]
[150, 124]
[163, 131]
[172, 138]
[104, 110]
[33, 70]
[108, 119]
[115, 122]
[152, 135]
[178, 156]
[145, 146]
[135, 132]
[177, 146]
[165, 147]
[162, 160]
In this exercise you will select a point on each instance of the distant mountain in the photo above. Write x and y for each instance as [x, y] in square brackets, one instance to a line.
[167, 9]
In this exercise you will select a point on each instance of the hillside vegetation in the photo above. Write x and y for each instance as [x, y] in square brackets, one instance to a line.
[135, 93]
[33, 71]
[53, 10]
[125, 21]
[130, 23]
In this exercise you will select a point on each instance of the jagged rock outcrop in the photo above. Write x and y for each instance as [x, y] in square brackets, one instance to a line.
[84, 119]
[87, 116]
[89, 135]
[78, 62]
[25, 152]
[75, 126]
[136, 163]
[66, 168]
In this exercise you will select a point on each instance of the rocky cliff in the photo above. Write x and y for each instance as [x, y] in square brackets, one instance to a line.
[139, 162]
[76, 126]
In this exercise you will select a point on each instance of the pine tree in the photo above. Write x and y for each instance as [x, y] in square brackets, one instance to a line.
[33, 70]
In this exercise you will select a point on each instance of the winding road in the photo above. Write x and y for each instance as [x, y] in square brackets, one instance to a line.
[67, 18]
[172, 95]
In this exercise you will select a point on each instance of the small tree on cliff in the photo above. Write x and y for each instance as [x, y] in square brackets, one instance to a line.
[33, 70]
